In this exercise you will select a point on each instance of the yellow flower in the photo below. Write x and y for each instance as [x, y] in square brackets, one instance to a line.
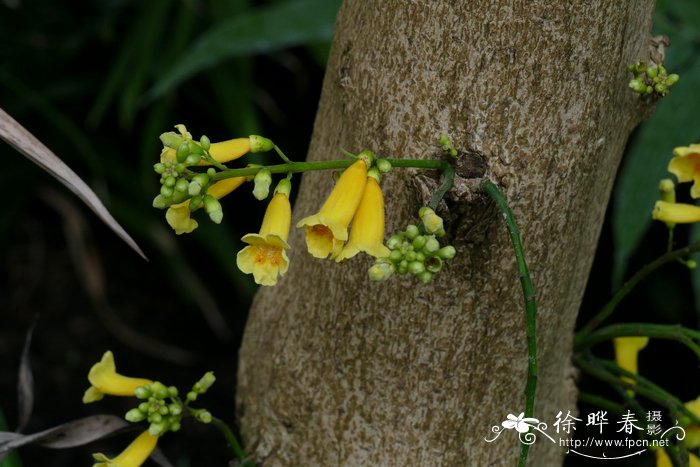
[224, 151]
[133, 456]
[685, 165]
[662, 459]
[367, 231]
[626, 352]
[679, 213]
[327, 231]
[692, 431]
[265, 256]
[104, 379]
[178, 215]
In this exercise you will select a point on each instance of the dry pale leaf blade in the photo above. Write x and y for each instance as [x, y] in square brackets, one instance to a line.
[25, 383]
[24, 142]
[71, 434]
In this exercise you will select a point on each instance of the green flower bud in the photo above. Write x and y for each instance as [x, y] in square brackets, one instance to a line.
[262, 181]
[649, 90]
[211, 171]
[159, 390]
[403, 267]
[166, 191]
[193, 159]
[204, 416]
[416, 267]
[284, 186]
[667, 190]
[171, 139]
[175, 426]
[170, 182]
[175, 409]
[196, 202]
[143, 392]
[191, 396]
[164, 410]
[691, 264]
[394, 242]
[181, 185]
[411, 231]
[213, 209]
[637, 85]
[157, 429]
[431, 245]
[410, 256]
[425, 277]
[134, 415]
[381, 271]
[419, 242]
[172, 391]
[420, 257]
[672, 79]
[206, 381]
[161, 202]
[660, 88]
[194, 188]
[159, 168]
[395, 256]
[652, 71]
[195, 148]
[431, 221]
[144, 406]
[383, 165]
[155, 417]
[260, 144]
[179, 168]
[183, 151]
[204, 142]
[447, 252]
[433, 264]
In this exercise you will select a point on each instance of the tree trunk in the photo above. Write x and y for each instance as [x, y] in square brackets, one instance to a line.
[336, 370]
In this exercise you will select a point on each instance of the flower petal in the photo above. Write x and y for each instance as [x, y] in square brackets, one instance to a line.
[679, 213]
[104, 379]
[133, 456]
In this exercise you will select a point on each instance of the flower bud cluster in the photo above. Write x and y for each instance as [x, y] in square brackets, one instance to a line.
[160, 407]
[651, 79]
[163, 409]
[415, 250]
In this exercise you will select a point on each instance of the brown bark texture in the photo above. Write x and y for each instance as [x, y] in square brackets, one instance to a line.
[336, 370]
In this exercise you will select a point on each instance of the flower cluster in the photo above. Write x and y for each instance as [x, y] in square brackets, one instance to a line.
[161, 408]
[651, 79]
[685, 165]
[350, 221]
[415, 250]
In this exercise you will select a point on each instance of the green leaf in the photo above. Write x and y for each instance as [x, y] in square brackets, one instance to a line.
[257, 31]
[673, 124]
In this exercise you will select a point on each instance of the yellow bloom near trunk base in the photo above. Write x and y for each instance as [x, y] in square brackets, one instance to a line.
[179, 215]
[626, 351]
[104, 379]
[327, 231]
[266, 254]
[367, 230]
[133, 456]
[677, 213]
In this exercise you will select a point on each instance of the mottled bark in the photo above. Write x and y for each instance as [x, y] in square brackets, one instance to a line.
[336, 370]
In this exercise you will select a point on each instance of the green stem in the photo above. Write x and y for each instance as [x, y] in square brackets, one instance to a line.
[598, 401]
[295, 167]
[660, 331]
[282, 155]
[448, 175]
[642, 274]
[530, 304]
[230, 437]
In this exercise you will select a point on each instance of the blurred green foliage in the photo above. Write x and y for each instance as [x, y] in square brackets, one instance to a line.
[674, 123]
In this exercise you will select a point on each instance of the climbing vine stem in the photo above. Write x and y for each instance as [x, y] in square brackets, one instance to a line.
[530, 305]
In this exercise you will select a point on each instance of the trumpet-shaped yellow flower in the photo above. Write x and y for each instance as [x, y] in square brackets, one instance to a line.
[327, 231]
[224, 151]
[104, 379]
[685, 165]
[662, 459]
[678, 213]
[265, 256]
[367, 230]
[178, 215]
[626, 351]
[133, 456]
